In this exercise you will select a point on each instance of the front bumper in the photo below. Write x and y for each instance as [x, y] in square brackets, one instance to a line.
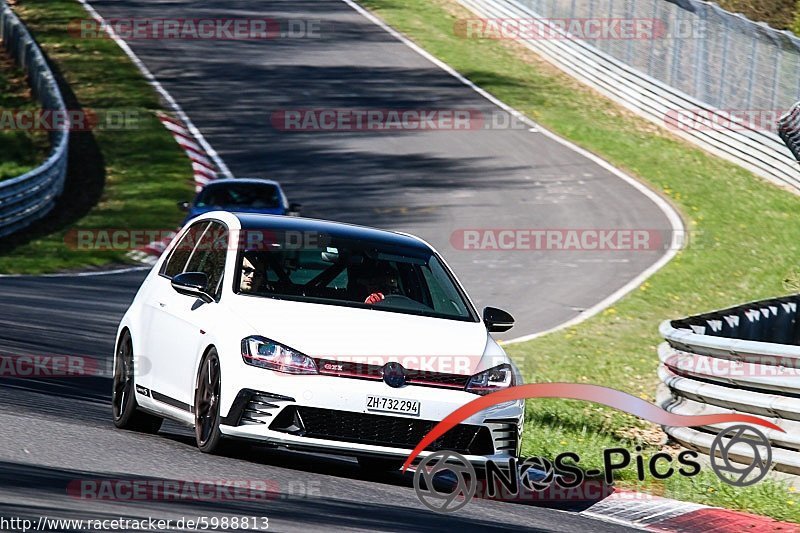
[329, 414]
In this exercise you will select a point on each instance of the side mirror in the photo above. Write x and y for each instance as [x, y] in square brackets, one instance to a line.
[497, 320]
[192, 284]
[294, 209]
[183, 206]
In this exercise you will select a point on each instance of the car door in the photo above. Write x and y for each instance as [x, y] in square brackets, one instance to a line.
[180, 322]
[156, 340]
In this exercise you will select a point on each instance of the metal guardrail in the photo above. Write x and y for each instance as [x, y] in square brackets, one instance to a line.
[29, 197]
[745, 359]
[789, 130]
[628, 82]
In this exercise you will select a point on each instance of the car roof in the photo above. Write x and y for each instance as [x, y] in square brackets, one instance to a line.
[341, 230]
[247, 181]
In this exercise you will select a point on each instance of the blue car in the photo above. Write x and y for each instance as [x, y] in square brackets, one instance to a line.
[243, 195]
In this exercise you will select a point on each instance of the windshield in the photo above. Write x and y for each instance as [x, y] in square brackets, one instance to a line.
[355, 274]
[240, 195]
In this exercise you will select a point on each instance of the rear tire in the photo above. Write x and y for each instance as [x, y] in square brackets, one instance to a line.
[123, 398]
[379, 464]
[206, 405]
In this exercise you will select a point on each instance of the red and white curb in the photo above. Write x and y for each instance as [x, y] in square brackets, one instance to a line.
[204, 171]
[654, 513]
[149, 254]
[185, 132]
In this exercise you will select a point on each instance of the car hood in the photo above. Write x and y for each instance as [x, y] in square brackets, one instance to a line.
[371, 336]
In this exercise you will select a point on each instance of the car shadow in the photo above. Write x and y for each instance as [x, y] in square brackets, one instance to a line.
[31, 491]
[590, 492]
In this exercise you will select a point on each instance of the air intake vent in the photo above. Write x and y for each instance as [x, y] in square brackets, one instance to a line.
[504, 435]
[259, 410]
[253, 407]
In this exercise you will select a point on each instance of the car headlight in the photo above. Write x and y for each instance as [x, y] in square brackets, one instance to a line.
[492, 380]
[266, 353]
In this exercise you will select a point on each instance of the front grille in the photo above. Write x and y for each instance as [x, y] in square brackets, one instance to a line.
[378, 430]
[437, 379]
[424, 378]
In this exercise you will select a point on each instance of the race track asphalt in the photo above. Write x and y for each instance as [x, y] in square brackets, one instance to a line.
[58, 431]
[429, 183]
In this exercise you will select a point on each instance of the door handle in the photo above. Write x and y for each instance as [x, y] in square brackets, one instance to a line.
[160, 304]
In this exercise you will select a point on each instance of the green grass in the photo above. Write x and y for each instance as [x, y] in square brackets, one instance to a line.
[20, 150]
[796, 23]
[746, 242]
[119, 178]
[777, 13]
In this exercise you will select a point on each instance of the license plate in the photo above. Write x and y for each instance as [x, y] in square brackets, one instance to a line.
[392, 405]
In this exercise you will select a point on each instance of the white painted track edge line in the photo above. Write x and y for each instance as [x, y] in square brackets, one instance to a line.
[613, 520]
[672, 215]
[441, 64]
[124, 270]
[151, 79]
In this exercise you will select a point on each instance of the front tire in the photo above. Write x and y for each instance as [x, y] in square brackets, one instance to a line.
[206, 405]
[123, 398]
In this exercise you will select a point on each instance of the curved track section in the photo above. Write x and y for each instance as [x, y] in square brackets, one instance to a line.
[430, 183]
[58, 431]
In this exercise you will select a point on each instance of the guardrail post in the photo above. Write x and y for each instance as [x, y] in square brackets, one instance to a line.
[753, 59]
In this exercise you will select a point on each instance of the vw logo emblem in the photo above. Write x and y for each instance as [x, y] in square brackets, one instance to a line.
[394, 375]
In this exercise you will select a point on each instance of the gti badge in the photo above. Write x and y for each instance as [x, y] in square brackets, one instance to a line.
[394, 374]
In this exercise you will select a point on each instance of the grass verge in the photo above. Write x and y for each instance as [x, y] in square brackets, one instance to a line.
[745, 243]
[122, 174]
[20, 150]
[780, 14]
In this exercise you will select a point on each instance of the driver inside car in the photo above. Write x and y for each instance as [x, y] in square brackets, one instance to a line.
[378, 283]
[253, 278]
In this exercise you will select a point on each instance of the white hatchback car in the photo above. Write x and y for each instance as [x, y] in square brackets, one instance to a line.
[312, 335]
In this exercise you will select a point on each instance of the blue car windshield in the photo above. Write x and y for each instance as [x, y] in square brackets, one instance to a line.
[252, 195]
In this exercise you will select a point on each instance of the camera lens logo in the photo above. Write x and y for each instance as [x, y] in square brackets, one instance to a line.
[448, 465]
[743, 442]
[537, 473]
